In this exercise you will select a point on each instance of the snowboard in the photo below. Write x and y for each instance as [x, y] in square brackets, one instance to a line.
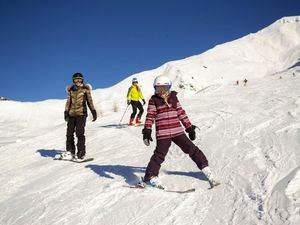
[82, 161]
[139, 186]
[74, 160]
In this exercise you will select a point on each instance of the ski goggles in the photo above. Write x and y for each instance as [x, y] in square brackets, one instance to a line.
[162, 89]
[77, 80]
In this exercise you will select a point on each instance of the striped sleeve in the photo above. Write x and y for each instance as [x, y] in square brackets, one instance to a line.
[151, 114]
[182, 116]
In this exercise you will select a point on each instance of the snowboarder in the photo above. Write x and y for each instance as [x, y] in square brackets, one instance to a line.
[165, 109]
[133, 96]
[79, 96]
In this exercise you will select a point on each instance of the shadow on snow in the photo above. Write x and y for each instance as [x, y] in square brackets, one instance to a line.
[127, 172]
[49, 153]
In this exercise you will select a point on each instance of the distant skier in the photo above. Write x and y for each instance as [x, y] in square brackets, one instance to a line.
[133, 96]
[245, 82]
[79, 96]
[165, 109]
[237, 82]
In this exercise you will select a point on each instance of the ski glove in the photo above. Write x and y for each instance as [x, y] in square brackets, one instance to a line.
[191, 132]
[147, 136]
[94, 113]
[144, 102]
[66, 116]
[128, 102]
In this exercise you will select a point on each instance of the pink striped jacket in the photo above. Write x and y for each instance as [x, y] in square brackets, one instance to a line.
[168, 117]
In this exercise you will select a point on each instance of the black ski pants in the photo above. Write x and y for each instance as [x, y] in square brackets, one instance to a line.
[77, 125]
[136, 105]
[162, 148]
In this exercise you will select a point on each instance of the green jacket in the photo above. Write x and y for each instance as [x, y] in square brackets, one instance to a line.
[78, 99]
[134, 93]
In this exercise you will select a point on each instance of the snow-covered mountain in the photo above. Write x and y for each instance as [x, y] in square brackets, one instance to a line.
[250, 135]
[272, 50]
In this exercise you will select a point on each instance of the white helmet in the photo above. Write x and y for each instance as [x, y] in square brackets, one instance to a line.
[162, 81]
[162, 84]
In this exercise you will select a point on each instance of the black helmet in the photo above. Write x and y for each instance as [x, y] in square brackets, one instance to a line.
[77, 76]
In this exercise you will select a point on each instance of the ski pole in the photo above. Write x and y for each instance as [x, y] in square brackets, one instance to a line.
[123, 115]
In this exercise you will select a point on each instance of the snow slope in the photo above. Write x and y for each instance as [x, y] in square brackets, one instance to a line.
[250, 136]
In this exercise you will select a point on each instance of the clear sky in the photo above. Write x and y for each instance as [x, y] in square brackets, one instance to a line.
[43, 42]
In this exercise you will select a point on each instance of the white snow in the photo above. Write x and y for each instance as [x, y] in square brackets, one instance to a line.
[250, 135]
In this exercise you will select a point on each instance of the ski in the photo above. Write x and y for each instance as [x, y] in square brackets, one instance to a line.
[120, 126]
[139, 125]
[215, 185]
[137, 186]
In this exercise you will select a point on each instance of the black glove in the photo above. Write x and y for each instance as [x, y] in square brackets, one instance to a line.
[128, 102]
[144, 102]
[94, 113]
[191, 131]
[147, 136]
[66, 116]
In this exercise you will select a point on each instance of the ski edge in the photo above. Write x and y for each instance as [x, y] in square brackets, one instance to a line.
[218, 184]
[72, 160]
[85, 160]
[165, 190]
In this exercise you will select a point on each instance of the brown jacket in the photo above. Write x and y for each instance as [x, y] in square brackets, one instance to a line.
[78, 98]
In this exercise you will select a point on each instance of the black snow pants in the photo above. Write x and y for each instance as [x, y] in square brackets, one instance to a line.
[77, 125]
[162, 148]
[136, 105]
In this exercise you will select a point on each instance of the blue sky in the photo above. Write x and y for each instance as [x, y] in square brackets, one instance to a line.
[42, 43]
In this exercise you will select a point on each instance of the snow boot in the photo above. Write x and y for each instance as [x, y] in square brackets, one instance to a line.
[80, 158]
[209, 175]
[65, 156]
[154, 182]
[131, 123]
[138, 121]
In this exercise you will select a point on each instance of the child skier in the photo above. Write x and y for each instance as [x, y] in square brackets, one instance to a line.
[133, 96]
[168, 114]
[79, 95]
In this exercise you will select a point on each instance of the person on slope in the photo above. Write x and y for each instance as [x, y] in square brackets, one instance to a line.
[79, 96]
[133, 96]
[164, 108]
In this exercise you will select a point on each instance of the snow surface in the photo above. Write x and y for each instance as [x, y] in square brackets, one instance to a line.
[250, 135]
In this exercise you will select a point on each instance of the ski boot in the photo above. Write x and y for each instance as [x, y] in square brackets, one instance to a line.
[209, 175]
[138, 121]
[131, 123]
[153, 182]
[79, 158]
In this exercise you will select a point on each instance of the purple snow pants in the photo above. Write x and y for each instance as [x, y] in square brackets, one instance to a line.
[162, 148]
